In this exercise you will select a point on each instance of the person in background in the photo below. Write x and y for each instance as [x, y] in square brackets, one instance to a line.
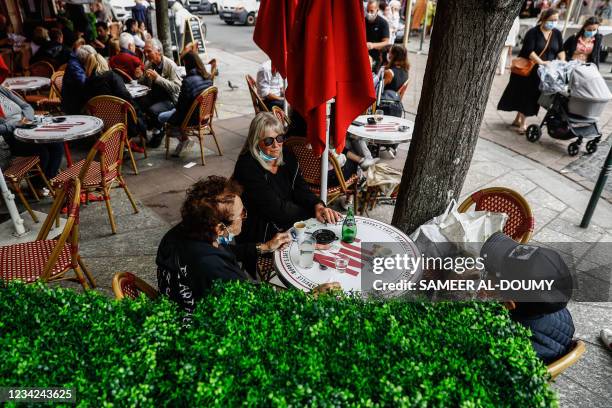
[139, 13]
[54, 51]
[586, 45]
[522, 92]
[74, 80]
[40, 37]
[75, 13]
[391, 14]
[508, 46]
[102, 13]
[397, 68]
[132, 28]
[14, 111]
[270, 86]
[102, 42]
[275, 194]
[197, 80]
[165, 82]
[201, 248]
[126, 60]
[113, 48]
[377, 32]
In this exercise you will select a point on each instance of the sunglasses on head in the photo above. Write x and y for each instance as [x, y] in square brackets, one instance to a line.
[269, 141]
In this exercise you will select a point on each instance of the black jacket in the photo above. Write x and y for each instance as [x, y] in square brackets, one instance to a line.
[54, 53]
[552, 333]
[186, 268]
[274, 201]
[108, 83]
[571, 43]
[193, 85]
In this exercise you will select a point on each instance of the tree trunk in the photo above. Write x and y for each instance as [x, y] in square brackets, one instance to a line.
[464, 50]
[163, 26]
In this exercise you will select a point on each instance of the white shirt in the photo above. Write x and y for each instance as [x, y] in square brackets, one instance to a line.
[267, 83]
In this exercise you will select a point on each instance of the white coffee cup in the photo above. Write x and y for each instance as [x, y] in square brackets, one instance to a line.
[300, 230]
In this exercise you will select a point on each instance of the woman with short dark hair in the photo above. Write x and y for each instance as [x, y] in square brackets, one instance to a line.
[196, 252]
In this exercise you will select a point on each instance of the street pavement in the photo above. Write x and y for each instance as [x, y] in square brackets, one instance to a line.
[500, 159]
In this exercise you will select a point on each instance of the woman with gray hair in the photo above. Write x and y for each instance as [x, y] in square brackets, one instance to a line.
[275, 194]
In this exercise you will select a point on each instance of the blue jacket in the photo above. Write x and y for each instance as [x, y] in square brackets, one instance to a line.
[73, 86]
[193, 85]
[552, 333]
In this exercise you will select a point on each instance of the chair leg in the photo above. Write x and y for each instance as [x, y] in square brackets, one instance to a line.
[143, 139]
[42, 174]
[109, 209]
[132, 160]
[127, 191]
[32, 189]
[17, 189]
[167, 143]
[81, 277]
[90, 277]
[201, 140]
[212, 132]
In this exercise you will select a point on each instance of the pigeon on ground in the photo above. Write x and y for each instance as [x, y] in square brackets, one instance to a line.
[232, 86]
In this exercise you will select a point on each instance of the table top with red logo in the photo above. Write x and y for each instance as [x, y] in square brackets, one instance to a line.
[61, 129]
[390, 130]
[24, 84]
[370, 233]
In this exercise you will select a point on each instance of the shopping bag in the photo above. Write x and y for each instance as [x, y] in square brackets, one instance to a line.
[431, 241]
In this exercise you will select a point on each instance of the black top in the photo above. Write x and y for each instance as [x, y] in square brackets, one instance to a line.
[535, 41]
[274, 201]
[400, 76]
[193, 85]
[572, 42]
[108, 83]
[376, 31]
[187, 268]
[55, 53]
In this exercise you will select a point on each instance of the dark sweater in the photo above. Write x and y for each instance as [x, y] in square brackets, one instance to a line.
[193, 85]
[187, 268]
[108, 83]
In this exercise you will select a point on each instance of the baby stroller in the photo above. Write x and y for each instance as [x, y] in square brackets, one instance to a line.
[573, 114]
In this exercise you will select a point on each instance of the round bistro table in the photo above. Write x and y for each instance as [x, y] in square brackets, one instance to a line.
[26, 84]
[385, 132]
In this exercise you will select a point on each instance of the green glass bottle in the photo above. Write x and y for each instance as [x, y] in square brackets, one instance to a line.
[349, 227]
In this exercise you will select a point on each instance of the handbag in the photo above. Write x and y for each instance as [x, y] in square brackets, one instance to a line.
[522, 66]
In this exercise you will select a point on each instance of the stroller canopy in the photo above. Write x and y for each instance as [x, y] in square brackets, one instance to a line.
[588, 91]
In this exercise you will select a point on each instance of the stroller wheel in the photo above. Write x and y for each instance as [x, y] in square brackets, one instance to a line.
[533, 133]
[573, 149]
[591, 146]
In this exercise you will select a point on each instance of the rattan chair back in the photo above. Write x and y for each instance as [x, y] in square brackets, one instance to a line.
[258, 103]
[124, 75]
[127, 285]
[111, 109]
[570, 358]
[520, 224]
[41, 69]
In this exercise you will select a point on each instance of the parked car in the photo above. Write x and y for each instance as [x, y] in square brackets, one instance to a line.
[121, 9]
[239, 11]
[203, 6]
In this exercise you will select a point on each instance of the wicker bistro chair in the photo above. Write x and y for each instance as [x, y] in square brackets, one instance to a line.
[124, 75]
[311, 171]
[50, 259]
[41, 69]
[258, 103]
[127, 285]
[203, 106]
[520, 222]
[53, 100]
[280, 115]
[100, 175]
[22, 168]
[564, 362]
[113, 110]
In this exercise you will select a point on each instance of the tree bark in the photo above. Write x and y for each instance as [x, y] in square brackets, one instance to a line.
[465, 46]
[163, 26]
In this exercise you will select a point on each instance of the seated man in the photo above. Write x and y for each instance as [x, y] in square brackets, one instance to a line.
[270, 86]
[199, 250]
[377, 33]
[53, 51]
[102, 43]
[165, 82]
[126, 60]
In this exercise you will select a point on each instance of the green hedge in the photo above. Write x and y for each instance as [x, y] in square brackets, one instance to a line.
[252, 346]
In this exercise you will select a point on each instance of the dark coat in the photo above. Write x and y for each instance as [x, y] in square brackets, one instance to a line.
[73, 87]
[187, 268]
[552, 333]
[54, 53]
[108, 83]
[572, 42]
[274, 201]
[193, 85]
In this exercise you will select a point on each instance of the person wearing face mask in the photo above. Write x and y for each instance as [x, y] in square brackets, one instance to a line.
[542, 43]
[377, 32]
[275, 194]
[200, 249]
[587, 44]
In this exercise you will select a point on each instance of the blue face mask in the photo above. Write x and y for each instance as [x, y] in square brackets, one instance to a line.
[223, 240]
[549, 25]
[265, 157]
[589, 34]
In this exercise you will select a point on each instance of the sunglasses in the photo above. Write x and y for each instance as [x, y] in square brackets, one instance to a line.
[269, 141]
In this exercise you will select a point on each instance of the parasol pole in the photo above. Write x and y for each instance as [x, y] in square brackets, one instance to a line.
[407, 22]
[597, 190]
[568, 13]
[285, 103]
[325, 155]
[9, 199]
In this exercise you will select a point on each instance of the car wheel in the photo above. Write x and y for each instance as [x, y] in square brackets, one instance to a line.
[250, 20]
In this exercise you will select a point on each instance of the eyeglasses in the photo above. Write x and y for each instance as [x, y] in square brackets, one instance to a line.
[269, 141]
